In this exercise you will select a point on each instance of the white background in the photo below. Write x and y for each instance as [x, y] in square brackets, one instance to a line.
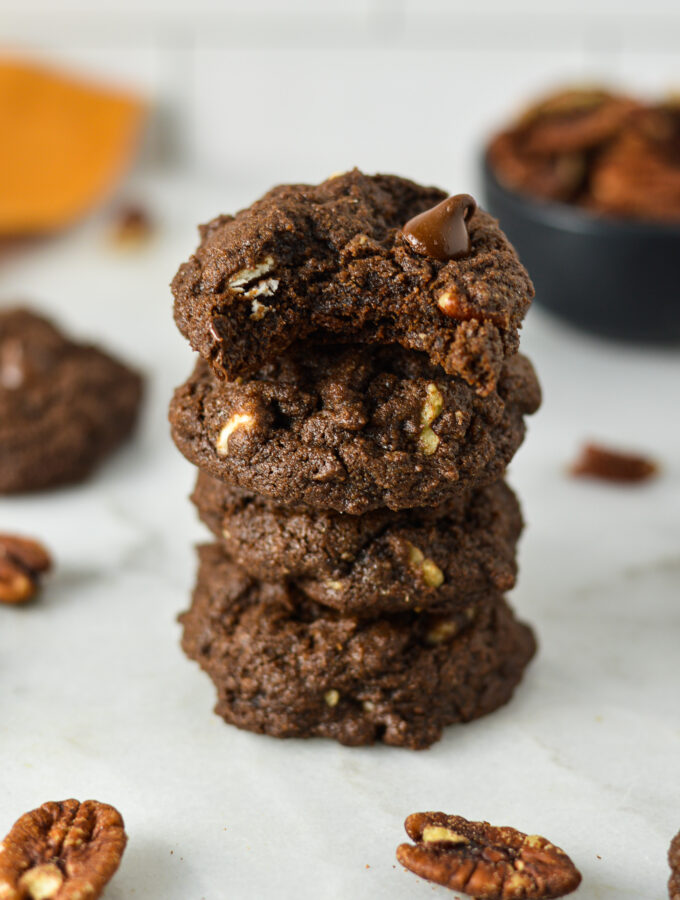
[301, 88]
[96, 698]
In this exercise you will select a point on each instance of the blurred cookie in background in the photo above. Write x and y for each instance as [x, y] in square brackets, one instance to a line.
[64, 406]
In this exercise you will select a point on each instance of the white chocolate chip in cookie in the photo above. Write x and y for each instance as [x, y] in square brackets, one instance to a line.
[428, 441]
[415, 555]
[441, 632]
[238, 420]
[432, 574]
[335, 585]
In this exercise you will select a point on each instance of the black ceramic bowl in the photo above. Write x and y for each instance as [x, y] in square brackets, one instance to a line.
[617, 279]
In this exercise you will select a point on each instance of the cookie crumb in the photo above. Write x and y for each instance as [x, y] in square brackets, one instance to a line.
[132, 227]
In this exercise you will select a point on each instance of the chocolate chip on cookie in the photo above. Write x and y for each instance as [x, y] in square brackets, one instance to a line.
[334, 258]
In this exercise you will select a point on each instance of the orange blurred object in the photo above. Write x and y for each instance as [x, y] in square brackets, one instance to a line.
[65, 144]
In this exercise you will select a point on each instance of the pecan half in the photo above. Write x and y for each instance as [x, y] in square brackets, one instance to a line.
[612, 465]
[485, 862]
[674, 863]
[61, 851]
[22, 562]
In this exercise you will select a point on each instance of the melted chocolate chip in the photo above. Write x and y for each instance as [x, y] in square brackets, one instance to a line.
[441, 232]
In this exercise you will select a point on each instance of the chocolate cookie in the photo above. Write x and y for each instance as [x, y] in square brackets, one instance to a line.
[287, 667]
[353, 428]
[63, 406]
[382, 561]
[334, 258]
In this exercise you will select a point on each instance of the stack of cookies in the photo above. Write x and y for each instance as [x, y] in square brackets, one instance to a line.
[357, 399]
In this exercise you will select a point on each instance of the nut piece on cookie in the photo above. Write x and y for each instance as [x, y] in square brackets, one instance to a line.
[22, 564]
[428, 441]
[343, 427]
[359, 564]
[442, 631]
[284, 666]
[62, 850]
[486, 862]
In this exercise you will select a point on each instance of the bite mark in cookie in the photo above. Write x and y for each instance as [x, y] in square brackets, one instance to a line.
[333, 258]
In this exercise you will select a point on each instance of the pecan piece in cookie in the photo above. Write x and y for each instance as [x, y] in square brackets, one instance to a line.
[485, 862]
[674, 863]
[22, 562]
[62, 851]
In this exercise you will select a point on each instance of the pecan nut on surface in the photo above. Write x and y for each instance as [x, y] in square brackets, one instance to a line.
[22, 562]
[62, 851]
[486, 862]
[608, 464]
[674, 863]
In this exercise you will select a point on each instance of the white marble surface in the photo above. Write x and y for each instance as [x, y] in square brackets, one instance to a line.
[97, 700]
